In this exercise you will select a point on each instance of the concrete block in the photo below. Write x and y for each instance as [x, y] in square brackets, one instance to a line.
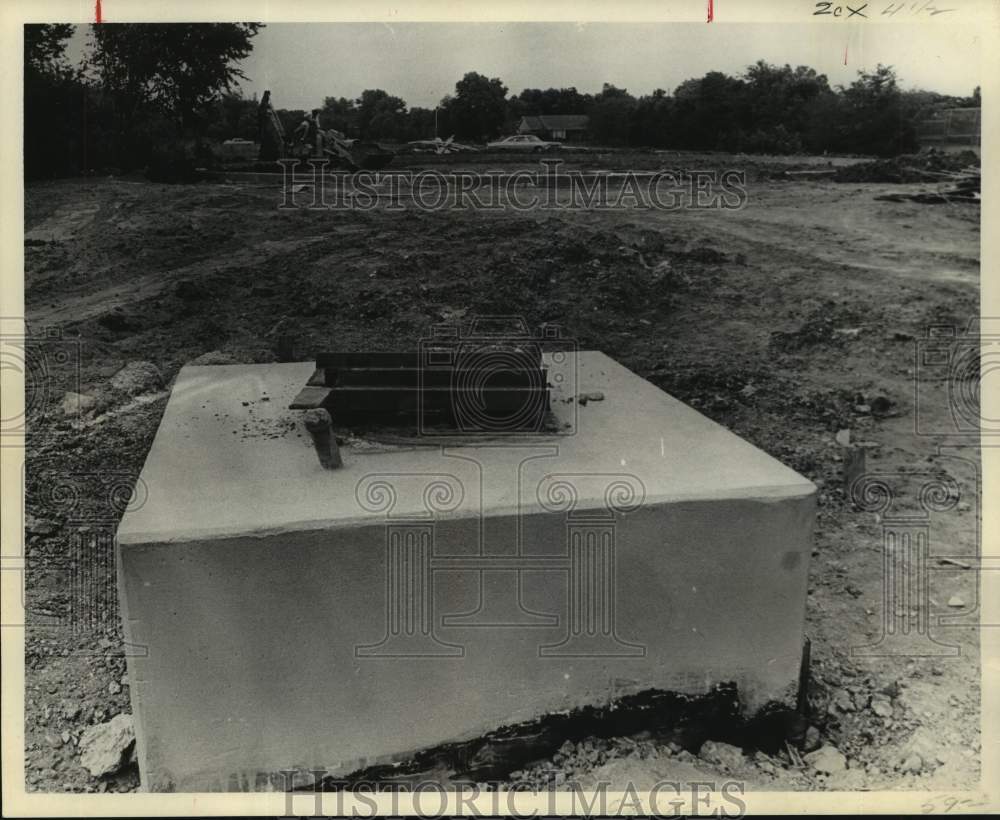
[281, 615]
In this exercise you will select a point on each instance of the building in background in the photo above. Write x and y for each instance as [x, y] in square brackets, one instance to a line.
[569, 127]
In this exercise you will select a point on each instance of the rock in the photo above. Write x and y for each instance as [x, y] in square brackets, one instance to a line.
[261, 289]
[71, 711]
[53, 740]
[583, 398]
[137, 377]
[722, 754]
[812, 740]
[114, 687]
[881, 707]
[850, 780]
[843, 438]
[826, 760]
[843, 701]
[76, 404]
[956, 601]
[103, 747]
[213, 357]
[891, 690]
[921, 750]
[66, 736]
[765, 766]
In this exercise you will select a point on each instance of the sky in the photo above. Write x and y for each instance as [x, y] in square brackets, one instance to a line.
[302, 63]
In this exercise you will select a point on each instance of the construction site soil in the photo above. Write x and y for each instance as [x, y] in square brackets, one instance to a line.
[790, 321]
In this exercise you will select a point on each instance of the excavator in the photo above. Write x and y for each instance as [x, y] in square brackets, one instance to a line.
[353, 155]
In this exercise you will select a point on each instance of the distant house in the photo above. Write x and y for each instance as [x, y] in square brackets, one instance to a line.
[556, 126]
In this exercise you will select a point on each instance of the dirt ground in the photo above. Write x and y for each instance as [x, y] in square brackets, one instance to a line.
[789, 321]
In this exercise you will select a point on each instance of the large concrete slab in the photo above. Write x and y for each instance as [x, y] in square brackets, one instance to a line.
[297, 617]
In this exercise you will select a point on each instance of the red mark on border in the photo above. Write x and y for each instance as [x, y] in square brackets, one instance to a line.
[711, 11]
[845, 51]
[97, 12]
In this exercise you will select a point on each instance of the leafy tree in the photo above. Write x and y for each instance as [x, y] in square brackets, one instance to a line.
[54, 104]
[535, 101]
[179, 67]
[380, 115]
[341, 114]
[653, 121]
[232, 115]
[45, 47]
[713, 111]
[781, 96]
[420, 124]
[874, 120]
[610, 114]
[479, 107]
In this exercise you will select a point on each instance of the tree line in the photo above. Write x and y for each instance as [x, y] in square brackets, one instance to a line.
[145, 87]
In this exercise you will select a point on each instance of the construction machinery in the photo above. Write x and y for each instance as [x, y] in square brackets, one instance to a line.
[353, 155]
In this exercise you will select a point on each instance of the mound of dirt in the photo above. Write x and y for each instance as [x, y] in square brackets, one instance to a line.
[927, 166]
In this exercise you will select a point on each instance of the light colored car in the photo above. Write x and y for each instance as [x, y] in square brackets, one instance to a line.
[521, 142]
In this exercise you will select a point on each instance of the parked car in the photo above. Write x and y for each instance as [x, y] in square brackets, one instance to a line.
[521, 142]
